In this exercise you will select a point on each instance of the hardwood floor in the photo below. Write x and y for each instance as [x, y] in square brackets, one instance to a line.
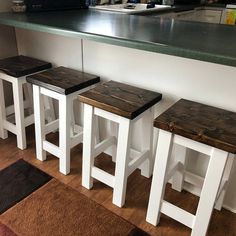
[222, 223]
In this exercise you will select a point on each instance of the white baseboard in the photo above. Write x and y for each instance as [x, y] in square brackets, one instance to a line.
[229, 208]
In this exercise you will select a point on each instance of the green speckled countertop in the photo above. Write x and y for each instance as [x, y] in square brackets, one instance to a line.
[201, 41]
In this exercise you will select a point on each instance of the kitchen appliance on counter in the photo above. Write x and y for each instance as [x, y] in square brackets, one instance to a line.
[229, 15]
[51, 5]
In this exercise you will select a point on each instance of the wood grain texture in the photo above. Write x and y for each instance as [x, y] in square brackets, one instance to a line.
[21, 65]
[206, 124]
[121, 99]
[138, 189]
[63, 80]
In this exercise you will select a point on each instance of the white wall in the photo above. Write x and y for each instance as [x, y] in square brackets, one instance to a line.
[173, 76]
[59, 50]
[5, 5]
[7, 34]
[7, 37]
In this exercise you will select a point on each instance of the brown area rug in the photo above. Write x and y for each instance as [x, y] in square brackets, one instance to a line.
[5, 231]
[56, 209]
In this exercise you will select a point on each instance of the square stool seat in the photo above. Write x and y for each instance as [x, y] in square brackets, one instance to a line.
[64, 85]
[13, 117]
[123, 106]
[121, 99]
[205, 124]
[63, 80]
[19, 66]
[207, 130]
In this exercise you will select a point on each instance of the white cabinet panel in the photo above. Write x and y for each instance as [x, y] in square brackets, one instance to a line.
[209, 16]
[186, 15]
[200, 15]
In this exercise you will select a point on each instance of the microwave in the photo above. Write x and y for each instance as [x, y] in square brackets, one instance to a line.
[51, 5]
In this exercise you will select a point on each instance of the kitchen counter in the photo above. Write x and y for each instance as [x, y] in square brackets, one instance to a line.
[200, 41]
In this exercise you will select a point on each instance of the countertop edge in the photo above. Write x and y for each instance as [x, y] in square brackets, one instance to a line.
[145, 46]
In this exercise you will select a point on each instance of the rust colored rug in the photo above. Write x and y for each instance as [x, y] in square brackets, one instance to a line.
[5, 231]
[17, 181]
[56, 209]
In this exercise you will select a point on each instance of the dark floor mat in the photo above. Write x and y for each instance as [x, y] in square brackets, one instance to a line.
[17, 181]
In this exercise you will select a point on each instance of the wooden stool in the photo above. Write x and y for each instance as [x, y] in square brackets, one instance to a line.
[14, 70]
[124, 105]
[208, 130]
[64, 85]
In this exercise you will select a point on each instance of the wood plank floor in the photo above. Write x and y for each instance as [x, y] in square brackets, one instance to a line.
[222, 223]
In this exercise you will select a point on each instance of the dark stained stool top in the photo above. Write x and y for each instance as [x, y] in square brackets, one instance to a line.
[206, 124]
[63, 80]
[121, 99]
[21, 65]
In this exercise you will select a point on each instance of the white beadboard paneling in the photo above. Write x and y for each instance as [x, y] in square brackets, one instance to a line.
[174, 76]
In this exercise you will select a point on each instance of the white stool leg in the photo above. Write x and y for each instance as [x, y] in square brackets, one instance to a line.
[65, 107]
[88, 146]
[210, 188]
[178, 178]
[147, 143]
[122, 159]
[3, 132]
[39, 121]
[19, 113]
[164, 148]
[226, 176]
